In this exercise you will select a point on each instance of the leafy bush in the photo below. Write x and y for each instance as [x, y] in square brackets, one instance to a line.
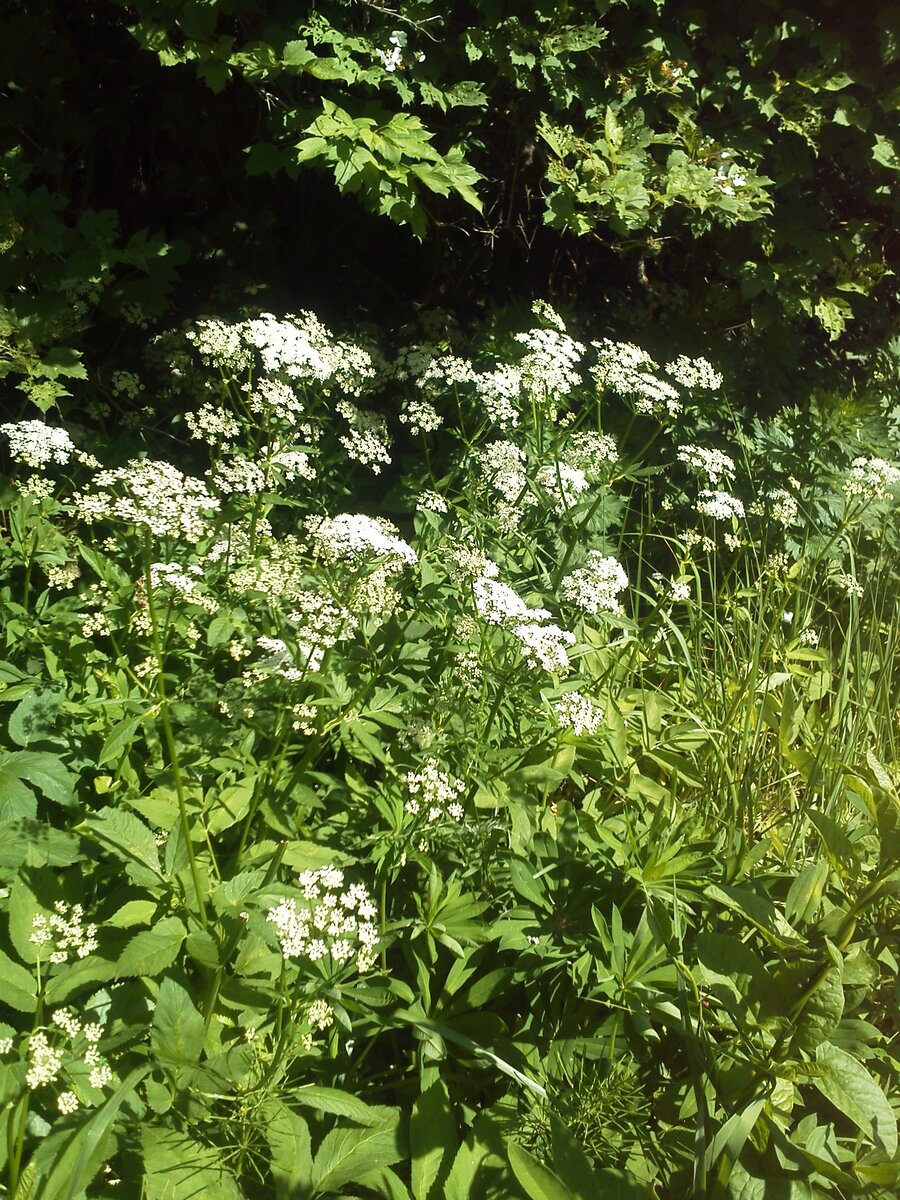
[447, 769]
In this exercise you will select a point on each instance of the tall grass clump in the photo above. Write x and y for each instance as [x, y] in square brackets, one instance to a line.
[459, 768]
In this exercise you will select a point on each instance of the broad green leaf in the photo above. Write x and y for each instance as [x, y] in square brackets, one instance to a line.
[34, 717]
[433, 1139]
[17, 986]
[292, 1165]
[42, 770]
[853, 1091]
[339, 1104]
[538, 1181]
[570, 1161]
[822, 1012]
[131, 840]
[178, 1168]
[345, 1154]
[151, 951]
[177, 1032]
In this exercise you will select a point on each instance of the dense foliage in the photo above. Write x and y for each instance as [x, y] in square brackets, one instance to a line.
[447, 769]
[729, 169]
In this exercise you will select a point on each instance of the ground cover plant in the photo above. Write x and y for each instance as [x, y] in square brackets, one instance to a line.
[440, 765]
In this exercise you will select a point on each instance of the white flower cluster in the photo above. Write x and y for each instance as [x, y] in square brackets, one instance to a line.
[213, 424]
[547, 313]
[783, 506]
[578, 713]
[566, 484]
[367, 440]
[184, 581]
[721, 506]
[220, 345]
[290, 464]
[275, 401]
[590, 452]
[445, 371]
[37, 444]
[421, 416]
[871, 479]
[630, 371]
[235, 474]
[328, 920]
[541, 643]
[321, 623]
[711, 463]
[430, 501]
[151, 493]
[47, 1061]
[550, 368]
[64, 932]
[595, 587]
[694, 373]
[356, 538]
[278, 661]
[436, 790]
[500, 391]
[851, 585]
[503, 465]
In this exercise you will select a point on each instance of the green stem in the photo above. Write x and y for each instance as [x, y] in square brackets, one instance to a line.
[169, 739]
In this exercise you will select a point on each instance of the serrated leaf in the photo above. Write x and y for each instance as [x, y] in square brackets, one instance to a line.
[132, 841]
[288, 1136]
[42, 770]
[178, 1168]
[177, 1033]
[339, 1104]
[34, 717]
[118, 740]
[345, 1154]
[151, 951]
[433, 1140]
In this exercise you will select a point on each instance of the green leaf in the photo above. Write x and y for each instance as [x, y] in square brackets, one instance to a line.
[42, 770]
[822, 1012]
[119, 739]
[571, 1163]
[132, 840]
[151, 951]
[345, 1154]
[17, 986]
[853, 1091]
[539, 1182]
[292, 1165]
[339, 1104]
[178, 1168]
[177, 1032]
[433, 1139]
[34, 718]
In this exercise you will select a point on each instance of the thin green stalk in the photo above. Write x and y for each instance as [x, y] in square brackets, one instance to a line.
[169, 739]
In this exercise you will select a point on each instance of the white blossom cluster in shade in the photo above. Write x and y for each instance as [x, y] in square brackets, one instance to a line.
[547, 313]
[429, 501]
[328, 920]
[503, 465]
[566, 484]
[49, 1059]
[37, 444]
[420, 416]
[367, 440]
[290, 464]
[320, 624]
[276, 402]
[590, 452]
[500, 391]
[809, 637]
[184, 582]
[153, 493]
[783, 506]
[358, 539]
[213, 424]
[851, 585]
[721, 506]
[445, 371]
[712, 463]
[278, 661]
[694, 373]
[871, 479]
[595, 587]
[297, 346]
[64, 932]
[236, 474]
[541, 643]
[627, 369]
[578, 714]
[550, 368]
[413, 361]
[434, 790]
[376, 593]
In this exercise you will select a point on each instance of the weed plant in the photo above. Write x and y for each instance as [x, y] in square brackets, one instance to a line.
[465, 770]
